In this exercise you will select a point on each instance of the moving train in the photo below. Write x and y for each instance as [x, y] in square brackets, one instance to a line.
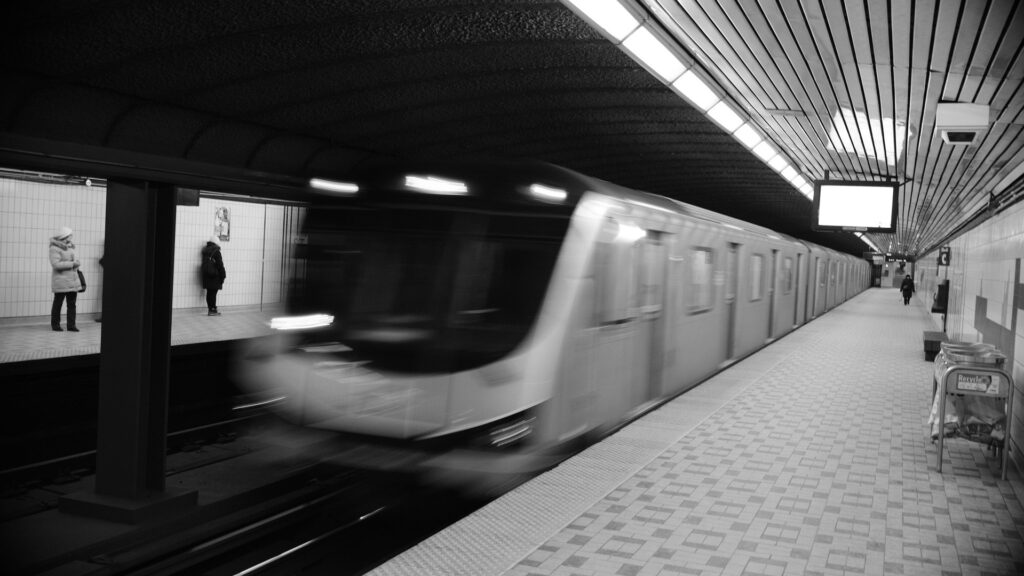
[482, 319]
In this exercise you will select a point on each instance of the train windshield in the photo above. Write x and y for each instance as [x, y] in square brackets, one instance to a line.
[427, 291]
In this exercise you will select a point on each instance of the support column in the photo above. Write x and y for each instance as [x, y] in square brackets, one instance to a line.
[134, 359]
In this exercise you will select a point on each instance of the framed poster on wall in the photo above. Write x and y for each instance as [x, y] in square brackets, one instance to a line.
[222, 224]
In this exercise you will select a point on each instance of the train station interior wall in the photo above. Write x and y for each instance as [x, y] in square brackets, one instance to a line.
[252, 254]
[31, 212]
[986, 297]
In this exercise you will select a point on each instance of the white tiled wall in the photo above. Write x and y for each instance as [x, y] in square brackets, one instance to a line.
[32, 212]
[984, 263]
[252, 255]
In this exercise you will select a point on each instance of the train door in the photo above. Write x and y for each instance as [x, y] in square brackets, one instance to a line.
[796, 293]
[732, 272]
[842, 282]
[817, 287]
[772, 279]
[831, 302]
[651, 301]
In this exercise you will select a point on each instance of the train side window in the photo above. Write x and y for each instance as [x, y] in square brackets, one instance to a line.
[615, 274]
[652, 261]
[787, 274]
[756, 277]
[702, 268]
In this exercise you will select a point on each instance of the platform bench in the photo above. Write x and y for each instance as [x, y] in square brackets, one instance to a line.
[932, 344]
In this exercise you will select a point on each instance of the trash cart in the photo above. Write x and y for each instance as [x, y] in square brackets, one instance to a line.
[980, 395]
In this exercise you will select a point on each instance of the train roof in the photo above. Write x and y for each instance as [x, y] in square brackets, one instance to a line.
[521, 185]
[524, 185]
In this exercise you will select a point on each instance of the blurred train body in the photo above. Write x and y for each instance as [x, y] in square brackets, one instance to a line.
[485, 324]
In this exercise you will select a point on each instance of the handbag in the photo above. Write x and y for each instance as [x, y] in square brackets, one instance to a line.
[81, 280]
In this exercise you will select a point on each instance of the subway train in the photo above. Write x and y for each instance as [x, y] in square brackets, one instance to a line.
[482, 320]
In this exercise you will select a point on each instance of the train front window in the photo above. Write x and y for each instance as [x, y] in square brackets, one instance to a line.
[447, 292]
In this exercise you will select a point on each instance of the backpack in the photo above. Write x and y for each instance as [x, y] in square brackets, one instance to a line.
[210, 266]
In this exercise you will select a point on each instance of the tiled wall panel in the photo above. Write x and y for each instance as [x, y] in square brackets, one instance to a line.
[243, 253]
[32, 212]
[986, 270]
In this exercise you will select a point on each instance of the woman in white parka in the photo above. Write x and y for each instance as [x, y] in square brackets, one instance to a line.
[64, 278]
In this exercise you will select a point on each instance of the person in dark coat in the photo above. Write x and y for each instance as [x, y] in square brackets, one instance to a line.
[907, 288]
[213, 274]
[64, 278]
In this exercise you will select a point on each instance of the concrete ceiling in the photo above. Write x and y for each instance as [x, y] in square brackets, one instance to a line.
[311, 88]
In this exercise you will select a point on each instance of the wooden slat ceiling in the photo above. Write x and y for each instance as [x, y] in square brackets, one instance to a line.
[312, 88]
[791, 65]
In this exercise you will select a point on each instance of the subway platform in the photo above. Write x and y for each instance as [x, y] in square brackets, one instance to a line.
[812, 456]
[27, 339]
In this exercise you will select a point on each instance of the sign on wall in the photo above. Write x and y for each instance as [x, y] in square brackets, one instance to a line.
[222, 224]
[944, 256]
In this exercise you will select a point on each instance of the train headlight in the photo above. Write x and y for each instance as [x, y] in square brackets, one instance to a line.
[301, 322]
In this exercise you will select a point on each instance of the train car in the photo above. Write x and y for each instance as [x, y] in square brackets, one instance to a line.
[474, 319]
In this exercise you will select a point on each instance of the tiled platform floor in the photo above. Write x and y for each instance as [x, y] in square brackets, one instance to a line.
[33, 339]
[810, 457]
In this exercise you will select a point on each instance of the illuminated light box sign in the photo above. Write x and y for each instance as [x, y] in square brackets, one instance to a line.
[855, 206]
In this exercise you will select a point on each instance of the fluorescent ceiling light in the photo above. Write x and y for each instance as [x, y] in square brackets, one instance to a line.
[778, 163]
[799, 182]
[867, 241]
[725, 116]
[764, 151]
[435, 185]
[301, 322]
[806, 190]
[854, 132]
[789, 173]
[548, 193]
[747, 136]
[695, 90]
[333, 186]
[609, 15]
[650, 51]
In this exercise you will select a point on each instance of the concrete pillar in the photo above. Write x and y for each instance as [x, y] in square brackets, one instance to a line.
[138, 269]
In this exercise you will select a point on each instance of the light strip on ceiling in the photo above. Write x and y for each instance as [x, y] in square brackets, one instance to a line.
[778, 163]
[765, 151]
[646, 48]
[865, 240]
[696, 91]
[885, 142]
[725, 116]
[747, 136]
[608, 15]
[618, 23]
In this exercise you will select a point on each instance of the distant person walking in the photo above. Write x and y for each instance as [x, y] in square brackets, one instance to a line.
[64, 278]
[213, 274]
[907, 288]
